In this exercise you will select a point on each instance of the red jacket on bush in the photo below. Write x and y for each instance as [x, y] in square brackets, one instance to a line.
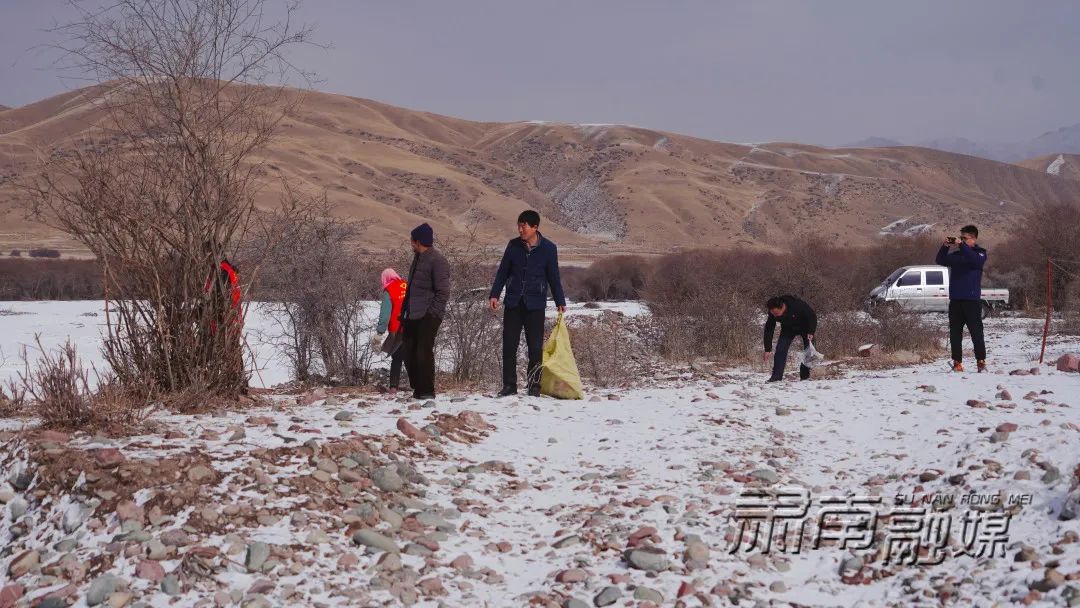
[229, 274]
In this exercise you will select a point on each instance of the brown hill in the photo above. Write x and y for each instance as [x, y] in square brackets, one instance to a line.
[1061, 165]
[601, 188]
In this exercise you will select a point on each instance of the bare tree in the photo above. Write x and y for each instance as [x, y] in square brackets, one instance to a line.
[315, 289]
[163, 188]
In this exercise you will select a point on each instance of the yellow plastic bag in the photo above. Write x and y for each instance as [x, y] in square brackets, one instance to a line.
[560, 378]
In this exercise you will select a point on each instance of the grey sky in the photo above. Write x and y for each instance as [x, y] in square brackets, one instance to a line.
[817, 72]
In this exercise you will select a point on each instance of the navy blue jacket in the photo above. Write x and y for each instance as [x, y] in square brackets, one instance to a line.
[965, 271]
[527, 275]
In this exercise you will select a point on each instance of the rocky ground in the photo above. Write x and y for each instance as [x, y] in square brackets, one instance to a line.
[626, 498]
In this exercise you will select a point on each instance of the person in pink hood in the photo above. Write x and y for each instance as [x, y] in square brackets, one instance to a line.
[393, 294]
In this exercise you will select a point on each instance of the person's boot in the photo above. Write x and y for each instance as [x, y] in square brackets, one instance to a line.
[981, 365]
[534, 391]
[957, 366]
[507, 391]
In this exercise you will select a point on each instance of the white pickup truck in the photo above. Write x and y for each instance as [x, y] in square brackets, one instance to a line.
[926, 289]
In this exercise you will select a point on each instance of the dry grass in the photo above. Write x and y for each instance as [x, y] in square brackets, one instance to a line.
[12, 400]
[607, 347]
[57, 388]
[890, 329]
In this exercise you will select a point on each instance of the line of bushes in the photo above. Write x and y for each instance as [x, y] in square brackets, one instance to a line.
[50, 279]
[37, 252]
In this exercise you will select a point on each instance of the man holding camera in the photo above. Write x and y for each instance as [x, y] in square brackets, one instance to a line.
[965, 260]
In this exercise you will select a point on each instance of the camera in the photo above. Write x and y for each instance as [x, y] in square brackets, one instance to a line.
[951, 239]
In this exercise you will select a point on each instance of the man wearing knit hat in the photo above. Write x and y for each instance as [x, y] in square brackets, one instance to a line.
[422, 310]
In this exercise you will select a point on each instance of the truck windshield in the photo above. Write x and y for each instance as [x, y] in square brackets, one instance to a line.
[895, 275]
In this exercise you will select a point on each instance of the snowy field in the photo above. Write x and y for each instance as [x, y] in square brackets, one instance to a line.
[82, 323]
[626, 498]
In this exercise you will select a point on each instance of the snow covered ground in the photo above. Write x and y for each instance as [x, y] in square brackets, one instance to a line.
[82, 323]
[624, 498]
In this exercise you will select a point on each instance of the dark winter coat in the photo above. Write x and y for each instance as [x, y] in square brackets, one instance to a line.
[528, 274]
[965, 271]
[798, 320]
[428, 288]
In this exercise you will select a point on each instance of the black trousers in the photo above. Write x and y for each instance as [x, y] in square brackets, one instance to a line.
[418, 352]
[961, 313]
[532, 321]
[395, 369]
[783, 344]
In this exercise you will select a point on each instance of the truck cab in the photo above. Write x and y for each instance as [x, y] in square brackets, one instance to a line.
[926, 289]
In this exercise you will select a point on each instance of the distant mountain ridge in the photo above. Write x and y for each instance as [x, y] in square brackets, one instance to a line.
[875, 142]
[601, 188]
[1065, 140]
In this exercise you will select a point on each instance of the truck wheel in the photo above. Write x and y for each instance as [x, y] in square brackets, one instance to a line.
[987, 310]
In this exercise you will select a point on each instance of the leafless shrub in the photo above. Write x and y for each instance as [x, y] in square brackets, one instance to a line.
[58, 389]
[889, 328]
[12, 399]
[1069, 322]
[315, 289]
[1019, 263]
[841, 334]
[905, 331]
[619, 277]
[1026, 285]
[163, 187]
[609, 348]
[700, 307]
[470, 334]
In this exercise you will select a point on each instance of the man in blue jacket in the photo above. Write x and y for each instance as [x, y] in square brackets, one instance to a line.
[529, 266]
[965, 260]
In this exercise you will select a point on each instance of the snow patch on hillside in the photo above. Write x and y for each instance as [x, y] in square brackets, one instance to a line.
[1055, 167]
[897, 228]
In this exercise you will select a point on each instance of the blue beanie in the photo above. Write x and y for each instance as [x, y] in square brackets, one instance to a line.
[423, 234]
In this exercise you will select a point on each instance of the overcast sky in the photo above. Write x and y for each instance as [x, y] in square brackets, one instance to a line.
[816, 72]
